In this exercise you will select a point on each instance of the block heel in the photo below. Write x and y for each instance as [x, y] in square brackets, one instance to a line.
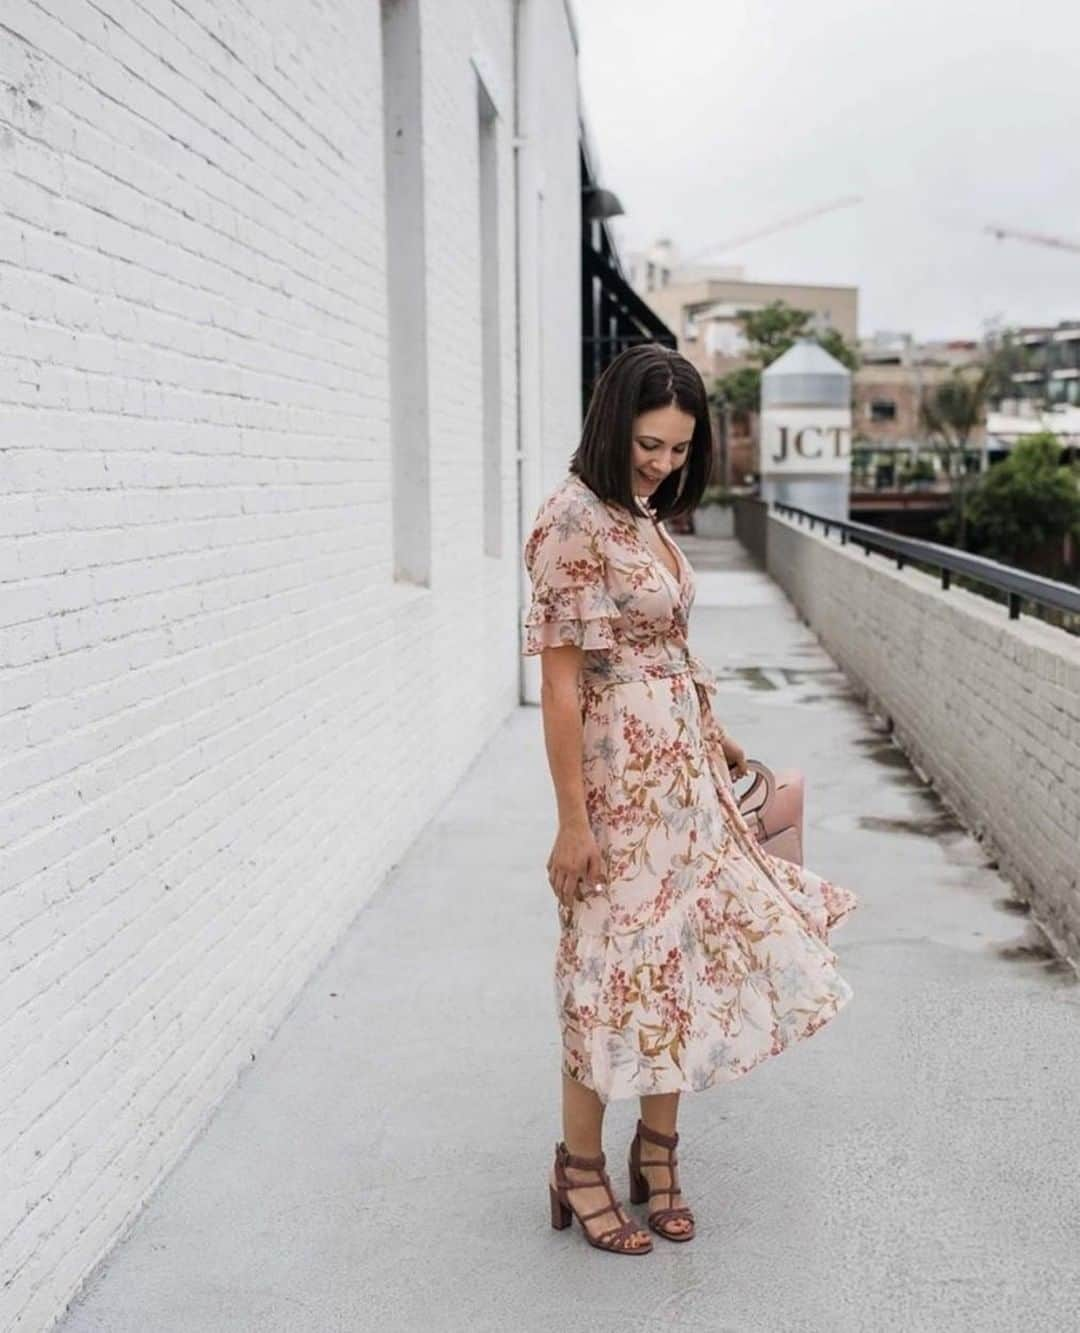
[618, 1239]
[561, 1214]
[639, 1186]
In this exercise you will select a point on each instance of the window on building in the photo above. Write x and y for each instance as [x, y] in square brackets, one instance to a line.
[410, 436]
[490, 318]
[882, 409]
[860, 467]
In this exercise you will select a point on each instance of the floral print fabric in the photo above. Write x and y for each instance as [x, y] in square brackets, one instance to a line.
[700, 955]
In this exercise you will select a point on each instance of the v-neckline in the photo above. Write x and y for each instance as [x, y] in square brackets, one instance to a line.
[677, 578]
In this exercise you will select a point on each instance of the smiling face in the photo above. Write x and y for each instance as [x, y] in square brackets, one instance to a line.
[661, 445]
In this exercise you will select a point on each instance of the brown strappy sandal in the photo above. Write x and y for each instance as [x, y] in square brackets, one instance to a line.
[642, 1192]
[616, 1239]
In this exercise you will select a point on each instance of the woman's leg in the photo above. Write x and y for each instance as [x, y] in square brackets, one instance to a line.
[583, 1122]
[582, 1118]
[661, 1112]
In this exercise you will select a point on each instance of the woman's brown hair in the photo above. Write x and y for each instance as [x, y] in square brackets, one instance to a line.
[638, 380]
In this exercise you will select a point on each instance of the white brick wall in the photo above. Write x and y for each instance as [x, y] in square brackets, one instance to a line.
[988, 708]
[221, 721]
[551, 238]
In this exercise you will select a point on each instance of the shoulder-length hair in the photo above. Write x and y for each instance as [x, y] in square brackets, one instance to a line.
[640, 379]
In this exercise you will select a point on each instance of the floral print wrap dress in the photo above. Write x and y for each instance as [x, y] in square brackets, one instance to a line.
[699, 955]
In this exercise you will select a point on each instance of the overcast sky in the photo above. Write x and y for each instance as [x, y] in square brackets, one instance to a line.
[711, 118]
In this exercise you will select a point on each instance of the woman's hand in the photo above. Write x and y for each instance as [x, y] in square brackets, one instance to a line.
[575, 859]
[734, 757]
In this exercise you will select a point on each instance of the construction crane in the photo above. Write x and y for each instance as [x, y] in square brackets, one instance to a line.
[1034, 238]
[846, 202]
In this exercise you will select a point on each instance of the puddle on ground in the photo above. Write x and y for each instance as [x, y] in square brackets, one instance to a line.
[1014, 906]
[756, 678]
[828, 698]
[882, 751]
[929, 817]
[1034, 945]
[927, 826]
[796, 675]
[792, 681]
[1031, 947]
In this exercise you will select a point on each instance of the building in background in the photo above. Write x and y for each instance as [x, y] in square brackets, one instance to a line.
[1045, 390]
[1051, 370]
[894, 374]
[702, 304]
[292, 318]
[1005, 428]
[897, 479]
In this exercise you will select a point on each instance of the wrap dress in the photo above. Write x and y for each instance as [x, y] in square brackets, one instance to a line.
[699, 955]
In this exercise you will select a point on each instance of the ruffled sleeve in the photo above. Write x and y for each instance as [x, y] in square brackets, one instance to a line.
[565, 559]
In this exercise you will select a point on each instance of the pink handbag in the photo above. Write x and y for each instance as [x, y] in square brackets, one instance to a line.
[773, 807]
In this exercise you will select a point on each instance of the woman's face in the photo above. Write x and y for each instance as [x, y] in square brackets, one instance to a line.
[661, 445]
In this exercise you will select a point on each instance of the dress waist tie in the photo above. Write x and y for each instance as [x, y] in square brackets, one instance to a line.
[608, 673]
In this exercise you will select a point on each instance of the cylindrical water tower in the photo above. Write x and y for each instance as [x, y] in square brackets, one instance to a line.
[805, 446]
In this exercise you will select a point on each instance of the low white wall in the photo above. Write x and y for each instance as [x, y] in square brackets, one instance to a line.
[987, 708]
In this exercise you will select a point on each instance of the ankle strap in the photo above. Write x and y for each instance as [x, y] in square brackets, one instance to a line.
[567, 1158]
[654, 1136]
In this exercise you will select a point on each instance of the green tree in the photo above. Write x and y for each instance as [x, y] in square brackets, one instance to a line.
[769, 333]
[952, 412]
[1025, 502]
[741, 389]
[837, 345]
[772, 330]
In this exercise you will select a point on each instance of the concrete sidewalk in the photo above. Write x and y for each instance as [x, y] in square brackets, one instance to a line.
[383, 1165]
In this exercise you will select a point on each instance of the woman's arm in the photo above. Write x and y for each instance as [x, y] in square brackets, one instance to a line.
[575, 855]
[734, 756]
[563, 731]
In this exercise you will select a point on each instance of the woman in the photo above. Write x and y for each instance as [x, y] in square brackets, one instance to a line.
[687, 955]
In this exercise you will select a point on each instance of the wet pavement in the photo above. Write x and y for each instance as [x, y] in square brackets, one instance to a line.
[912, 1166]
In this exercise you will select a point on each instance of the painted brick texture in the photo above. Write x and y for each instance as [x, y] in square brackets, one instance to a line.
[987, 708]
[221, 720]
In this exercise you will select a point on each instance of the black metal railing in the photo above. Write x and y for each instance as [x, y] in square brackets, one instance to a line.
[613, 315]
[1014, 585]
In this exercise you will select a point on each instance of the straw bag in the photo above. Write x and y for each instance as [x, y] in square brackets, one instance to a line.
[773, 807]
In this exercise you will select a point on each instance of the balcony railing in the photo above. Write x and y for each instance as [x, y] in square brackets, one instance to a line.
[1014, 585]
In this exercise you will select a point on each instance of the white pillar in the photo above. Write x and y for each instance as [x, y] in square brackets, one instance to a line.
[805, 445]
